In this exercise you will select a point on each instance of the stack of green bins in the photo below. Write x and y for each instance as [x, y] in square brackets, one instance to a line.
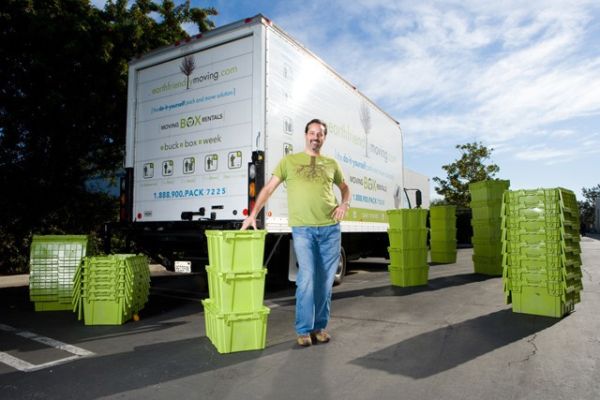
[442, 224]
[541, 251]
[110, 290]
[408, 247]
[52, 265]
[486, 204]
[235, 317]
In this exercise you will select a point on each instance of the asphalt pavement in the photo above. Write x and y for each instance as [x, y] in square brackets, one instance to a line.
[452, 339]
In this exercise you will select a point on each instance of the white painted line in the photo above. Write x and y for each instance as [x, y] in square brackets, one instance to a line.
[25, 366]
[78, 351]
[15, 362]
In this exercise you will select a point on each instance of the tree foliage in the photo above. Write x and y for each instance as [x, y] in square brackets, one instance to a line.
[63, 105]
[469, 168]
[588, 206]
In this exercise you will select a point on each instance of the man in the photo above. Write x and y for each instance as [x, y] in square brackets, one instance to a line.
[314, 216]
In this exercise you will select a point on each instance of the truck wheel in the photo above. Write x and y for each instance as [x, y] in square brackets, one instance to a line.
[341, 269]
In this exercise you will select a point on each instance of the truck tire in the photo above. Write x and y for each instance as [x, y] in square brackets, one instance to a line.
[341, 269]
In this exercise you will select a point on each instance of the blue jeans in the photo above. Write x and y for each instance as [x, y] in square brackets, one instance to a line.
[318, 252]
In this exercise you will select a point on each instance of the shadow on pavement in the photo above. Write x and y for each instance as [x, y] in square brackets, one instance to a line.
[445, 348]
[433, 284]
[439, 283]
[389, 290]
[145, 366]
[158, 314]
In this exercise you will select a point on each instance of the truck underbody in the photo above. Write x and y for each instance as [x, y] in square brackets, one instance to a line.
[167, 242]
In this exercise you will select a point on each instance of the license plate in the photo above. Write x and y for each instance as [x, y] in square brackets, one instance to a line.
[183, 266]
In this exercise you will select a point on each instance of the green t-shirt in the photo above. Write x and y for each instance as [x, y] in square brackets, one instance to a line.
[310, 188]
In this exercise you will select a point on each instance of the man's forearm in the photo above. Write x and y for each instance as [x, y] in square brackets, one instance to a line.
[261, 200]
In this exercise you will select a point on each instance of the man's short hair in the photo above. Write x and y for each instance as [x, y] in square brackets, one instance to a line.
[316, 121]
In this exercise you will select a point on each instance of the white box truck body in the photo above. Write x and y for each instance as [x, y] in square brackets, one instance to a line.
[209, 119]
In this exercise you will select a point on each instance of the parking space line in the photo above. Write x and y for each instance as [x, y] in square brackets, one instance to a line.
[25, 366]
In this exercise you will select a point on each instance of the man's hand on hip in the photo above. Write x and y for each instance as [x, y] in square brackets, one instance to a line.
[340, 211]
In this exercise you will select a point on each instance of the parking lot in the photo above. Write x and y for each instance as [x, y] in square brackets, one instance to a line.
[452, 339]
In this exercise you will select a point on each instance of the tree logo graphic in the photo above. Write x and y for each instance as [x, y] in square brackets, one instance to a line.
[187, 67]
[365, 119]
[313, 172]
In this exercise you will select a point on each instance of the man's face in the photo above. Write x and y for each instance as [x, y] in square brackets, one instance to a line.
[315, 137]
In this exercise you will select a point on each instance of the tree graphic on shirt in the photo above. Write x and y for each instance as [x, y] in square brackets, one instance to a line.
[313, 172]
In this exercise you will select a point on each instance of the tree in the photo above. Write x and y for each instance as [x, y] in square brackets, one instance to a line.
[365, 119]
[588, 206]
[187, 67]
[467, 169]
[63, 102]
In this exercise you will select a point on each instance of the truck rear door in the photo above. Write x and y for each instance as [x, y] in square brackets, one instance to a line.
[193, 133]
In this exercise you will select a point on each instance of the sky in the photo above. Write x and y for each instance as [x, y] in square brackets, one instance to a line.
[522, 77]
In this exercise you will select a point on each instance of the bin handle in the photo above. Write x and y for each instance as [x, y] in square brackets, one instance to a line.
[241, 317]
[244, 275]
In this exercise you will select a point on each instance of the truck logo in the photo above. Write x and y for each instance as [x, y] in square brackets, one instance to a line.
[187, 67]
[365, 119]
[288, 126]
[191, 121]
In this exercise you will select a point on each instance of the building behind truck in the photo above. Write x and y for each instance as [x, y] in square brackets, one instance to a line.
[415, 185]
[207, 121]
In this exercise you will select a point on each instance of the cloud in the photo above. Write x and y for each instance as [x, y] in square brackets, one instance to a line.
[566, 149]
[538, 153]
[465, 70]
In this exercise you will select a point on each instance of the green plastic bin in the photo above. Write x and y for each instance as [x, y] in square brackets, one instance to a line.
[555, 280]
[544, 262]
[105, 312]
[442, 224]
[232, 332]
[535, 301]
[108, 290]
[443, 245]
[407, 218]
[443, 257]
[408, 257]
[487, 265]
[488, 190]
[235, 250]
[486, 210]
[549, 235]
[52, 265]
[443, 235]
[443, 213]
[408, 238]
[550, 200]
[48, 305]
[487, 229]
[237, 292]
[405, 276]
[486, 247]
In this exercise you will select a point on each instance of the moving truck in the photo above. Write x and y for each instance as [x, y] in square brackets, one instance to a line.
[209, 118]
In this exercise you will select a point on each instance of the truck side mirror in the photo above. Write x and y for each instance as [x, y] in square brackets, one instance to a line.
[418, 198]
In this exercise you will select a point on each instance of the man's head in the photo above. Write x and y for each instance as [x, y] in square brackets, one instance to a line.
[315, 133]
